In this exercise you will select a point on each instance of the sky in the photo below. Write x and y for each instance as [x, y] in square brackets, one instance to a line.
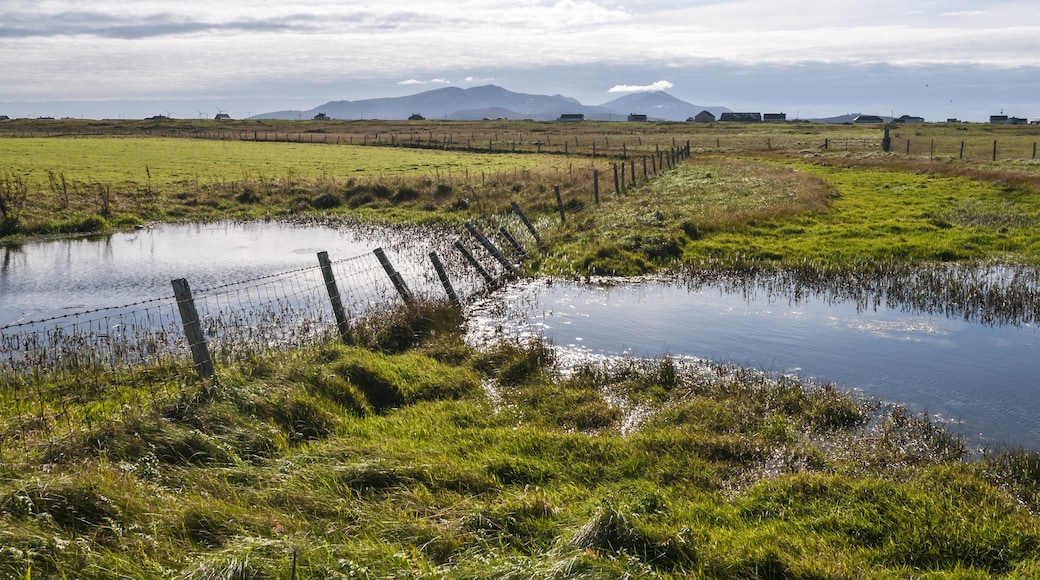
[938, 59]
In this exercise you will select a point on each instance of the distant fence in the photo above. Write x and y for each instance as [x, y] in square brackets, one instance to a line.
[586, 141]
[246, 317]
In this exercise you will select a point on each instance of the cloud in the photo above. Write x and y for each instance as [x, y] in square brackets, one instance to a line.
[658, 86]
[967, 13]
[419, 82]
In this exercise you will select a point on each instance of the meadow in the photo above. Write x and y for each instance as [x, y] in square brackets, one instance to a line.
[412, 453]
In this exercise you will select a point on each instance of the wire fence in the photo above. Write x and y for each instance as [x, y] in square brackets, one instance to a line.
[108, 361]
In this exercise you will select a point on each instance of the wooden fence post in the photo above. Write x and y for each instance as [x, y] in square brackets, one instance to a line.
[559, 204]
[394, 275]
[994, 150]
[595, 178]
[443, 275]
[495, 253]
[473, 262]
[512, 242]
[342, 324]
[527, 222]
[193, 329]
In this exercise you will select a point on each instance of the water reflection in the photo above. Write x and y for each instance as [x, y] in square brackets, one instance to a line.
[979, 377]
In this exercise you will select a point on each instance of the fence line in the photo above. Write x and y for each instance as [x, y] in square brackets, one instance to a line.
[60, 373]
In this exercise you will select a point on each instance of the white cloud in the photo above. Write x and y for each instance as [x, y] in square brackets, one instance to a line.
[658, 86]
[151, 49]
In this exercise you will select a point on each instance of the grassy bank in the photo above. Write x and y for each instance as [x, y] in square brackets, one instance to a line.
[436, 459]
[777, 205]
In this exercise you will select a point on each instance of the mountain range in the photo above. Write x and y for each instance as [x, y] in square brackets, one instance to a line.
[494, 102]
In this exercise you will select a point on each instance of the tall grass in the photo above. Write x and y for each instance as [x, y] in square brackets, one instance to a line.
[431, 458]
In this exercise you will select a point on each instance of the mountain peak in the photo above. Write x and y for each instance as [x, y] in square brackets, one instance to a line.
[492, 101]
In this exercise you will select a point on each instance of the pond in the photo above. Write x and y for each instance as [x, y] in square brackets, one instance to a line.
[980, 379]
[46, 278]
[976, 373]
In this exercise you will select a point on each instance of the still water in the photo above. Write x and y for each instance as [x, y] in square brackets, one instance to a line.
[981, 380]
[43, 279]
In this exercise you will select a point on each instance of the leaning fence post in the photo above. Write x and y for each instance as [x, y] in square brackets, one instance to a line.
[513, 243]
[527, 222]
[473, 262]
[617, 188]
[559, 204]
[495, 253]
[395, 276]
[443, 275]
[337, 304]
[193, 329]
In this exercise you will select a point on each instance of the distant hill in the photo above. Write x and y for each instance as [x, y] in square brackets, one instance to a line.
[660, 106]
[493, 102]
[847, 118]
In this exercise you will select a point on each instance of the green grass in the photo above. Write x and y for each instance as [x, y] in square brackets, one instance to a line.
[434, 459]
[793, 211]
[163, 162]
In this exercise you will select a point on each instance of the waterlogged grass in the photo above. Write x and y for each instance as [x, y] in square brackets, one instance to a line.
[434, 459]
[796, 211]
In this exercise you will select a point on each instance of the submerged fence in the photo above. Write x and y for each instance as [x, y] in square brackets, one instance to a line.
[228, 322]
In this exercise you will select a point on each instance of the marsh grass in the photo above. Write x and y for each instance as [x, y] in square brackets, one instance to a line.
[366, 461]
[389, 458]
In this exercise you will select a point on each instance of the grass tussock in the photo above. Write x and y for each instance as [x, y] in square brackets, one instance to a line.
[355, 461]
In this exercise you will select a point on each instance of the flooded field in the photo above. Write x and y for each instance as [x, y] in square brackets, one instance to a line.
[979, 377]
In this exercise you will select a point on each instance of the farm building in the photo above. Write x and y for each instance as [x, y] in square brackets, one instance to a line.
[222, 117]
[910, 119]
[1000, 119]
[774, 117]
[636, 117]
[703, 117]
[416, 117]
[868, 119]
[741, 117]
[321, 117]
[572, 117]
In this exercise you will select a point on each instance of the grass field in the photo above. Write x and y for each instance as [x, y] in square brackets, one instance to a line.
[446, 461]
[413, 454]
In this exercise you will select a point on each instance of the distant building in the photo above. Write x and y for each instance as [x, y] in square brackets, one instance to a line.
[999, 119]
[636, 117]
[1035, 121]
[1016, 121]
[321, 117]
[741, 117]
[703, 117]
[868, 119]
[222, 117]
[4, 118]
[571, 117]
[952, 120]
[775, 117]
[910, 119]
[416, 117]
